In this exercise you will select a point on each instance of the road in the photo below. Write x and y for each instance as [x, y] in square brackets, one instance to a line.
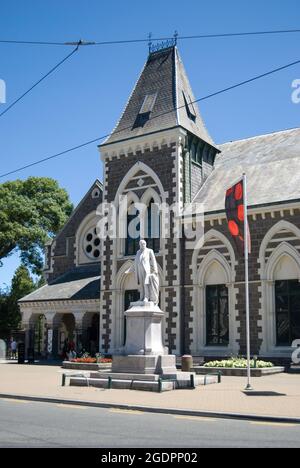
[31, 424]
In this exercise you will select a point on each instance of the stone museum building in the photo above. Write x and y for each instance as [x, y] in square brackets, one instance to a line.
[160, 153]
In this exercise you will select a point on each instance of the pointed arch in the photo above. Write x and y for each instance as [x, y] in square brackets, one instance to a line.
[140, 166]
[283, 250]
[121, 277]
[278, 227]
[213, 257]
[149, 194]
[269, 278]
[151, 218]
[214, 234]
[118, 298]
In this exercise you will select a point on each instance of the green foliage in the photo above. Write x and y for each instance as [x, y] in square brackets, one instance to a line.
[10, 317]
[238, 363]
[31, 212]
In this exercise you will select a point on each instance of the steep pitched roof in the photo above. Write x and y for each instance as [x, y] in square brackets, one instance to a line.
[162, 87]
[271, 163]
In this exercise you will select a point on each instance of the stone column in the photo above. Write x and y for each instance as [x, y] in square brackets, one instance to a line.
[50, 335]
[26, 324]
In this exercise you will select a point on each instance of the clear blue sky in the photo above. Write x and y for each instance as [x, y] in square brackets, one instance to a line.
[84, 98]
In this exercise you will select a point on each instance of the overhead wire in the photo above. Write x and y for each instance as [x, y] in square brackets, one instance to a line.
[209, 96]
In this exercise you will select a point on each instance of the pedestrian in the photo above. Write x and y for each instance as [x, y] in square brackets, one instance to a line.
[13, 348]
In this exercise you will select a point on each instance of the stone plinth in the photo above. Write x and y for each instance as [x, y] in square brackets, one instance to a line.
[144, 330]
[143, 363]
[160, 365]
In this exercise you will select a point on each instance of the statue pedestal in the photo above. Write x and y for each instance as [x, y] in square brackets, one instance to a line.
[144, 352]
[144, 329]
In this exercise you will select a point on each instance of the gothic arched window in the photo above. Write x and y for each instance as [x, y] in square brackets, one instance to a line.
[153, 226]
[133, 230]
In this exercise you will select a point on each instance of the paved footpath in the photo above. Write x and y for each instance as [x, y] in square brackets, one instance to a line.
[45, 382]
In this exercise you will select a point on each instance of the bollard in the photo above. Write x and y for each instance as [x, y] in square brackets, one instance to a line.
[255, 358]
[219, 376]
[186, 363]
[193, 381]
[159, 385]
[63, 383]
[109, 383]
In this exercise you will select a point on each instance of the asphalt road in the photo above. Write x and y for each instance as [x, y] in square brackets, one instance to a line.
[30, 424]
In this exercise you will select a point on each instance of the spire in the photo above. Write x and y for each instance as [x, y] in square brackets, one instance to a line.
[161, 99]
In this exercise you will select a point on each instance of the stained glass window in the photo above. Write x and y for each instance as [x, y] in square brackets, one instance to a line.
[217, 316]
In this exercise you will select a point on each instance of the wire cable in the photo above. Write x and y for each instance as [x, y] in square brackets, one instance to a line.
[39, 81]
[209, 96]
[131, 41]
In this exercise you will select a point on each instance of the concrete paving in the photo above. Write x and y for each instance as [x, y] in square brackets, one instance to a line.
[277, 395]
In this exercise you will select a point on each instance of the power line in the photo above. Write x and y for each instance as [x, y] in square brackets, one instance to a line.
[209, 96]
[39, 81]
[240, 34]
[141, 40]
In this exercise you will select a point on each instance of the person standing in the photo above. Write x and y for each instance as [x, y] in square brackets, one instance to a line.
[13, 348]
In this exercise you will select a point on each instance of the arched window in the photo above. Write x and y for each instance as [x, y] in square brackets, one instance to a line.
[217, 307]
[133, 230]
[217, 315]
[287, 301]
[153, 226]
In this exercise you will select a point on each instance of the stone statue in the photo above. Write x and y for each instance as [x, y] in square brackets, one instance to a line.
[146, 273]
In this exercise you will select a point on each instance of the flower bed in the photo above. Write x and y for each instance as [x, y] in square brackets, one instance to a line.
[89, 360]
[238, 363]
[237, 367]
[89, 366]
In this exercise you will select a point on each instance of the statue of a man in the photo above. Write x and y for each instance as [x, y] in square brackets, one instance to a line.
[146, 273]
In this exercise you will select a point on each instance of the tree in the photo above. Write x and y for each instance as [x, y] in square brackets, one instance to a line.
[10, 317]
[31, 212]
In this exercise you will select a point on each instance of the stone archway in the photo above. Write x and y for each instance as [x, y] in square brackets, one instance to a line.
[64, 328]
[38, 335]
[89, 341]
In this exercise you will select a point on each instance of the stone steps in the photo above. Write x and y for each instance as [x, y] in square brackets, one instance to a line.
[138, 382]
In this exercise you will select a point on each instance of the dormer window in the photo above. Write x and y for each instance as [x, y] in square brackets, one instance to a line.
[145, 110]
[148, 103]
[190, 110]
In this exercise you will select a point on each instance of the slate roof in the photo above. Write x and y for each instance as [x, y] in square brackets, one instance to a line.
[165, 75]
[271, 163]
[81, 283]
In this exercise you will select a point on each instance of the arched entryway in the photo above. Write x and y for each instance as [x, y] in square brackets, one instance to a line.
[90, 335]
[65, 325]
[38, 338]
